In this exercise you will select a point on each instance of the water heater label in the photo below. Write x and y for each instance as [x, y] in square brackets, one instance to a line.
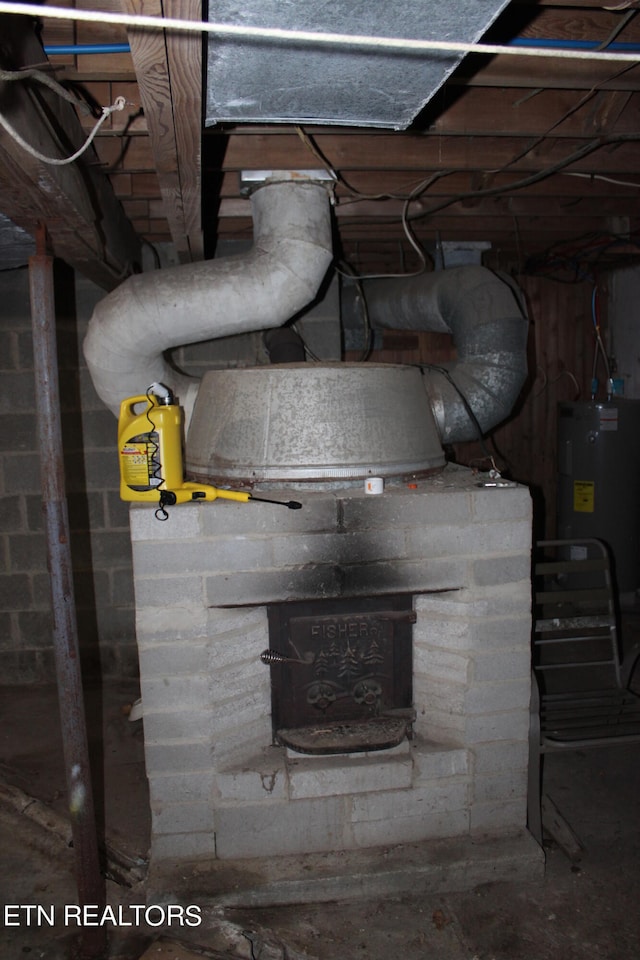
[583, 496]
[608, 418]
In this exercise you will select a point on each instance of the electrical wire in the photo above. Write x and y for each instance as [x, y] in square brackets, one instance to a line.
[307, 349]
[599, 348]
[555, 168]
[579, 154]
[585, 98]
[367, 330]
[580, 257]
[495, 191]
[153, 459]
[619, 27]
[408, 231]
[422, 185]
[339, 177]
[601, 176]
[546, 382]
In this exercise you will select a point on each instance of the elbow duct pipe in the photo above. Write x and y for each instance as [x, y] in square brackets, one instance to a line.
[150, 313]
[485, 316]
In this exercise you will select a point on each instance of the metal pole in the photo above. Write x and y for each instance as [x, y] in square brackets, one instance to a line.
[90, 884]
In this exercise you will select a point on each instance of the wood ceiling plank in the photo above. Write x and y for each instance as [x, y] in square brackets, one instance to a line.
[554, 113]
[524, 72]
[158, 236]
[468, 227]
[372, 211]
[399, 182]
[94, 73]
[566, 186]
[99, 31]
[594, 23]
[104, 65]
[456, 230]
[168, 68]
[427, 153]
[534, 4]
[496, 207]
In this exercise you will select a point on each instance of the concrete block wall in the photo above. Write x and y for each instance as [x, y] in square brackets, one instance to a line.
[100, 538]
[218, 786]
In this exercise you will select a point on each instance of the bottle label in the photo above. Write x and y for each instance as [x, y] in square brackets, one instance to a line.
[139, 462]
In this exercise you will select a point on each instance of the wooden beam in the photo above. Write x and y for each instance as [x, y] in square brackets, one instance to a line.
[371, 211]
[86, 224]
[422, 154]
[400, 183]
[552, 113]
[595, 4]
[533, 73]
[595, 23]
[169, 71]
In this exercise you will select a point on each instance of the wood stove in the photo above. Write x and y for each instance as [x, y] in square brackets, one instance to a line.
[340, 582]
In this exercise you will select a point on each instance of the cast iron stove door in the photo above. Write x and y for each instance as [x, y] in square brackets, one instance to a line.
[341, 673]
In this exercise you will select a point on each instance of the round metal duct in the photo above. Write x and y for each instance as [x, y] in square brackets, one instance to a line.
[307, 422]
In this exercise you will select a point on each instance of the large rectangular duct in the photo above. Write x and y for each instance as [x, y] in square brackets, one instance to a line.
[260, 80]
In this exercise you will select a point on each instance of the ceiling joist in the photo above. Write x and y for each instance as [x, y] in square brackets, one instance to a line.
[169, 67]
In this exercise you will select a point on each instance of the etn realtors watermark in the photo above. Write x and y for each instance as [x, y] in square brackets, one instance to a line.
[92, 915]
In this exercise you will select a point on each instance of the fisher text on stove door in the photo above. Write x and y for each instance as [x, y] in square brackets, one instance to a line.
[341, 673]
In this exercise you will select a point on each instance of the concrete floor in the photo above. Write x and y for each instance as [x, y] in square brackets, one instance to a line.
[584, 907]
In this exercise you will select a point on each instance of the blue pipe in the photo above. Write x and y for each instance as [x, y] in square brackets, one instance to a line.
[571, 44]
[533, 42]
[72, 48]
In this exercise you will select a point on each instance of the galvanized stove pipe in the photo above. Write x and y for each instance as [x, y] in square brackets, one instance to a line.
[90, 884]
[485, 316]
[150, 313]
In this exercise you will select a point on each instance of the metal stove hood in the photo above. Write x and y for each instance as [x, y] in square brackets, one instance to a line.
[267, 81]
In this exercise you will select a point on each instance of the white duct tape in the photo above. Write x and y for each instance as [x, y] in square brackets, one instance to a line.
[374, 485]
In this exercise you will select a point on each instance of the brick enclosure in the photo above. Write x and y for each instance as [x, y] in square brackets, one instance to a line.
[202, 578]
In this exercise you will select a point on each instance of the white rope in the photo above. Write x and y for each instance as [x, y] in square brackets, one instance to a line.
[307, 36]
[118, 104]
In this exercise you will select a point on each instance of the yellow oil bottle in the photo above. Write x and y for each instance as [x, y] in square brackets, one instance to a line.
[150, 445]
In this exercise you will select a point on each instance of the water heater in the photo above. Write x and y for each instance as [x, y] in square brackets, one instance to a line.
[599, 480]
